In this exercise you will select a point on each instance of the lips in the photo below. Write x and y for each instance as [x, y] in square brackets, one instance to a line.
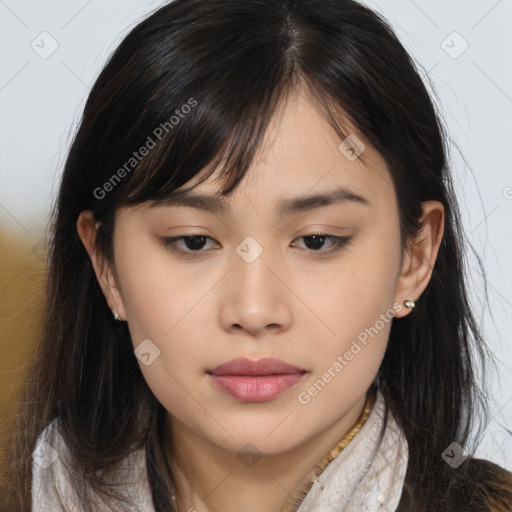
[265, 366]
[255, 381]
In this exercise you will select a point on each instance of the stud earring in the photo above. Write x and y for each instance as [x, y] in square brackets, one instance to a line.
[117, 317]
[409, 304]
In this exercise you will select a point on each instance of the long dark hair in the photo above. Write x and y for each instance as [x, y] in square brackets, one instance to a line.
[199, 80]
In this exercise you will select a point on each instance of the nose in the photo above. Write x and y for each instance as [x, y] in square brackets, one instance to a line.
[256, 299]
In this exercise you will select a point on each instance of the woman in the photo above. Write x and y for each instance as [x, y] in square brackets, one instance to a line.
[256, 292]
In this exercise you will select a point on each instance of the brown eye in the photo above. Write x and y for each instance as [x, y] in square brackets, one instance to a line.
[190, 245]
[193, 244]
[316, 242]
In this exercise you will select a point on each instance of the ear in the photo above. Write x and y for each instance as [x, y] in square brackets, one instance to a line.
[87, 227]
[420, 256]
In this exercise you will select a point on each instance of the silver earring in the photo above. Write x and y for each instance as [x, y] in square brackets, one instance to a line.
[409, 304]
[117, 317]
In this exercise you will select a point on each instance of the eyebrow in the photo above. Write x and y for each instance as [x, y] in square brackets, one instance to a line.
[216, 204]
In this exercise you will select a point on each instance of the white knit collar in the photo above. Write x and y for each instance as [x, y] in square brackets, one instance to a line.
[367, 475]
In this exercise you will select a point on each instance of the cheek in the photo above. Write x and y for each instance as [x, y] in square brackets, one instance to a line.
[154, 294]
[165, 307]
[347, 357]
[356, 319]
[353, 292]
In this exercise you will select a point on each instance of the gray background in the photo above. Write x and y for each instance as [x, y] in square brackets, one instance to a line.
[41, 98]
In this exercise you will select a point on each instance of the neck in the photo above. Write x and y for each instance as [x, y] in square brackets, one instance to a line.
[210, 478]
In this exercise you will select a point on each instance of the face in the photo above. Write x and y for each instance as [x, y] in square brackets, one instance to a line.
[257, 283]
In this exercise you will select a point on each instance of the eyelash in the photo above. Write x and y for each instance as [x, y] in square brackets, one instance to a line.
[339, 243]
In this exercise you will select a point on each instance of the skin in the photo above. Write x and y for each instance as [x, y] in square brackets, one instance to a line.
[203, 311]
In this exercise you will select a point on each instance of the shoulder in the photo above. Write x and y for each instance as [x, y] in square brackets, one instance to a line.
[488, 485]
[478, 485]
[54, 477]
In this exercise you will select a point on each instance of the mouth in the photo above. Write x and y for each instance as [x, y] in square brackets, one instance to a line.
[255, 381]
[266, 366]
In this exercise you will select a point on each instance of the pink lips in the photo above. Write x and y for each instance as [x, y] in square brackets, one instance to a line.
[255, 381]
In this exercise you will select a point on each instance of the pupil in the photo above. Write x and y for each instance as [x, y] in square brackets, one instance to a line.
[317, 238]
[196, 245]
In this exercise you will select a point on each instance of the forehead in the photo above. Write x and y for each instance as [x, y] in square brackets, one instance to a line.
[301, 152]
[301, 162]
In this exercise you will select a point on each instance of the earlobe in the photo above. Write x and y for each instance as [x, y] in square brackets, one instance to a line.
[420, 257]
[87, 227]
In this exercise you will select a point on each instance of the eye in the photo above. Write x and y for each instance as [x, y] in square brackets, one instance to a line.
[195, 243]
[315, 242]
